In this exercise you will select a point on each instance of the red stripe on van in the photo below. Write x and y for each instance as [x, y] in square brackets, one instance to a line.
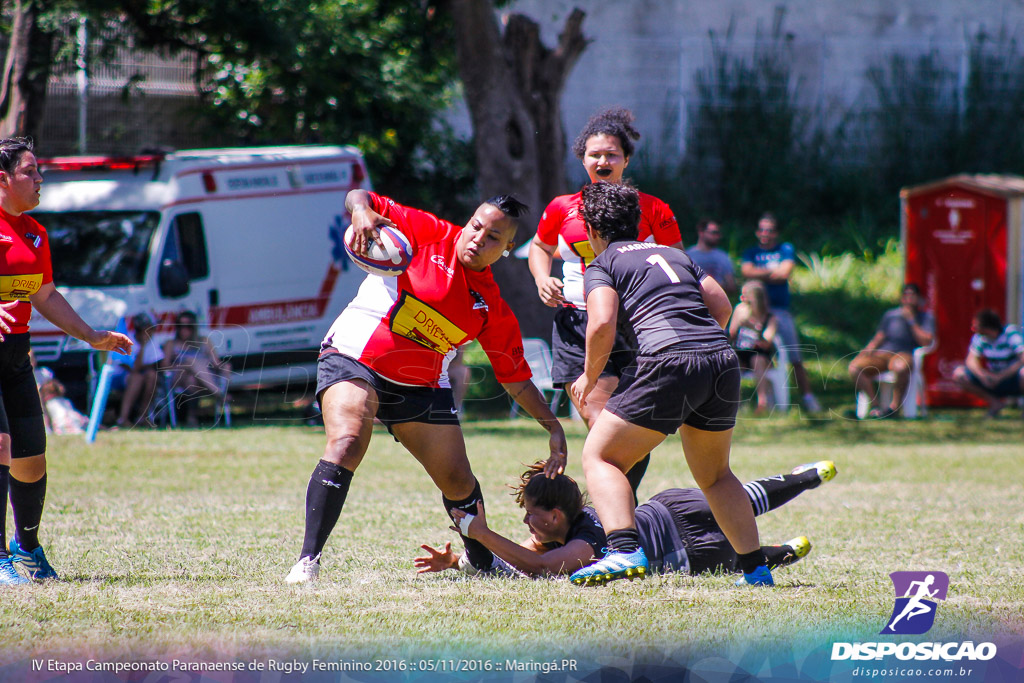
[277, 312]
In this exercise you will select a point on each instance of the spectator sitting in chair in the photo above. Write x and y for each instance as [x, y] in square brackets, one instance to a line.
[59, 414]
[197, 370]
[752, 331]
[901, 330]
[994, 369]
[137, 373]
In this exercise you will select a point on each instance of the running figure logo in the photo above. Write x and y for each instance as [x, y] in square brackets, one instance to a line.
[916, 595]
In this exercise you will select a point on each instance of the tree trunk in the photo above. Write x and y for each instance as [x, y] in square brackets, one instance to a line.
[25, 74]
[513, 85]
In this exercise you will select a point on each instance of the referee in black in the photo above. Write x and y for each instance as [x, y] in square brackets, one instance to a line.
[686, 377]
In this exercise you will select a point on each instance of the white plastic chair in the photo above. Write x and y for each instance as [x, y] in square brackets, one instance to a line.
[914, 402]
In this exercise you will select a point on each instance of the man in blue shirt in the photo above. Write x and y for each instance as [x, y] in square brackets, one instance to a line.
[772, 263]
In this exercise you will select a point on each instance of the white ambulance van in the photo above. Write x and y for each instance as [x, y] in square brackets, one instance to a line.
[248, 239]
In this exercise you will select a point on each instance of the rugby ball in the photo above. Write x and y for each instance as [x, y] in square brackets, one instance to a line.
[392, 260]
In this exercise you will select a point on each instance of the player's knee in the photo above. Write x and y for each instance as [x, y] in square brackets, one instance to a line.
[343, 447]
[5, 449]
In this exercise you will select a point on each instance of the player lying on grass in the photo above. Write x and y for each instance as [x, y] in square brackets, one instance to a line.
[677, 530]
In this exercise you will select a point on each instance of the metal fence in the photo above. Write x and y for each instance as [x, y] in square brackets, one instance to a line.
[131, 101]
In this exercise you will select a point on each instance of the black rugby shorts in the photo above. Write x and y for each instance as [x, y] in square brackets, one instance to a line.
[21, 413]
[397, 403]
[698, 387]
[568, 348]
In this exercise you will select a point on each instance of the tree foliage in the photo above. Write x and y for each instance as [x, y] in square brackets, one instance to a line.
[373, 73]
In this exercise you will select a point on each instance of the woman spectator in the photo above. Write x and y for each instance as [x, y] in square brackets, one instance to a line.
[752, 333]
[195, 368]
[137, 374]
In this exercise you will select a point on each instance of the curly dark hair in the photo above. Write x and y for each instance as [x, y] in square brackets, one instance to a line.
[616, 122]
[11, 150]
[560, 492]
[612, 210]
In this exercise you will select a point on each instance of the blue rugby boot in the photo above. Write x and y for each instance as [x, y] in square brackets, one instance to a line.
[34, 562]
[9, 576]
[614, 566]
[761, 576]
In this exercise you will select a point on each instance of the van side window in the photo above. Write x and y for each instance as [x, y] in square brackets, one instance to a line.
[186, 243]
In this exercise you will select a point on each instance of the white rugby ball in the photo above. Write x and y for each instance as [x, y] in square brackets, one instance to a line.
[392, 260]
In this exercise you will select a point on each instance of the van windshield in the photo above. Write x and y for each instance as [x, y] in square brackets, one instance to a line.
[99, 248]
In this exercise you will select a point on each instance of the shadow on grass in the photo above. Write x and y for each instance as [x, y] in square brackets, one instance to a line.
[940, 427]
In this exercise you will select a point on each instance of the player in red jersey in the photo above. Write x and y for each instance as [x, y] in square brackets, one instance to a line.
[26, 280]
[604, 146]
[387, 355]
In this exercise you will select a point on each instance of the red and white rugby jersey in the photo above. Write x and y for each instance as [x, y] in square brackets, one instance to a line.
[561, 226]
[407, 328]
[24, 265]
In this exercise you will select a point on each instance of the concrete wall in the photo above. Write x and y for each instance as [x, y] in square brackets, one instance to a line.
[645, 53]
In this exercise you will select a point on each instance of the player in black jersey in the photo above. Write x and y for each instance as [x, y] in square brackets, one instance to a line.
[677, 530]
[686, 377]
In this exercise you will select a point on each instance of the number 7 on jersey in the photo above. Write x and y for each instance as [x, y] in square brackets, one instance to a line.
[659, 260]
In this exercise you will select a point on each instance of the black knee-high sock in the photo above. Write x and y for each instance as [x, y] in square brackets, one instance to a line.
[748, 562]
[27, 504]
[325, 496]
[623, 541]
[636, 474]
[773, 492]
[478, 554]
[5, 475]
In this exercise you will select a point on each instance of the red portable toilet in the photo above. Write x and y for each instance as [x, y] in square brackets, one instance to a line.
[962, 241]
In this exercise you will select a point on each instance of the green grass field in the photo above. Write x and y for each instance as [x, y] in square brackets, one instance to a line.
[176, 544]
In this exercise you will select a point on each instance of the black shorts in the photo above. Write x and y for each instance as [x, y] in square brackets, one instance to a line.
[698, 387]
[704, 541]
[747, 356]
[397, 403]
[568, 348]
[21, 413]
[1007, 388]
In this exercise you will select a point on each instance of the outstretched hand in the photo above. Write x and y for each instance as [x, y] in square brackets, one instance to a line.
[112, 341]
[437, 560]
